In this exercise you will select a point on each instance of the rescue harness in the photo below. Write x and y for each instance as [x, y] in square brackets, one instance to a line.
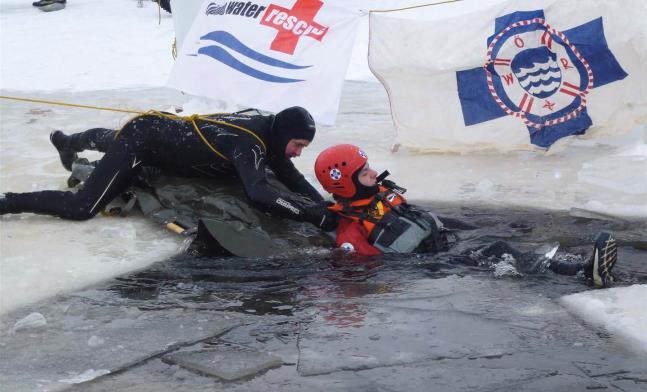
[393, 225]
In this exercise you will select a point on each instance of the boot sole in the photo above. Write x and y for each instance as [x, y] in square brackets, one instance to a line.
[609, 256]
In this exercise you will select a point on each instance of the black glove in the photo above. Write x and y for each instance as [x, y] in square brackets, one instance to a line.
[322, 217]
[329, 221]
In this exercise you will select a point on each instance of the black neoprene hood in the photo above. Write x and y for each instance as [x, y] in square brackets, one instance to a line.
[291, 123]
[363, 191]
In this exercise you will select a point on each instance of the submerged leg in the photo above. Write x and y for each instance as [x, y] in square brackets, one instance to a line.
[529, 262]
[597, 268]
[499, 248]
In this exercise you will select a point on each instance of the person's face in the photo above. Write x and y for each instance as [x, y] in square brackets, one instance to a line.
[295, 146]
[367, 176]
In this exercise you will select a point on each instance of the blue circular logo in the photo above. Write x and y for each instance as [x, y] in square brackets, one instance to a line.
[534, 73]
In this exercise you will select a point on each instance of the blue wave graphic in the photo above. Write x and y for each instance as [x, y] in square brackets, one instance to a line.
[220, 54]
[529, 57]
[228, 40]
[539, 72]
[542, 82]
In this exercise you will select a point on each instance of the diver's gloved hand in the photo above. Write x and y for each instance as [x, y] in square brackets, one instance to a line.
[322, 217]
[329, 221]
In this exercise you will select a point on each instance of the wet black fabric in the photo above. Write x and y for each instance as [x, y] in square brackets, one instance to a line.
[291, 123]
[362, 191]
[175, 147]
[97, 139]
[529, 262]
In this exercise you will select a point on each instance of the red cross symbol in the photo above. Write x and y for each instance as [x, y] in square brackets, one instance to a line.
[293, 24]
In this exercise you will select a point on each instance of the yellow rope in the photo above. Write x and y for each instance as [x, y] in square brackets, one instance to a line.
[192, 119]
[204, 139]
[416, 6]
[174, 49]
[202, 118]
[69, 104]
[159, 12]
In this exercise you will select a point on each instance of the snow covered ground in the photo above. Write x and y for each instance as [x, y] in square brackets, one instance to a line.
[115, 54]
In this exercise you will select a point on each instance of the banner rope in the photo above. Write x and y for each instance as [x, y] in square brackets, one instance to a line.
[416, 6]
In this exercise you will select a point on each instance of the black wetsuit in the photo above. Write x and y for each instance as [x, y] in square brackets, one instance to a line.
[174, 146]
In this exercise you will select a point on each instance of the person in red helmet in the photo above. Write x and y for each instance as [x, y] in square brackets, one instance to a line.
[375, 218]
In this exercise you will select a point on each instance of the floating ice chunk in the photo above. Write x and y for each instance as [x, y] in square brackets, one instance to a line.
[621, 310]
[547, 250]
[506, 268]
[87, 375]
[618, 209]
[33, 321]
[582, 213]
[95, 341]
[228, 363]
[552, 252]
[485, 187]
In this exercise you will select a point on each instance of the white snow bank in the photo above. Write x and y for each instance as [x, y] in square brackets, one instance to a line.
[622, 311]
[89, 45]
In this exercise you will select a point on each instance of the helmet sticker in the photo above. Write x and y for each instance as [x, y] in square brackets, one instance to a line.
[347, 247]
[335, 174]
[362, 154]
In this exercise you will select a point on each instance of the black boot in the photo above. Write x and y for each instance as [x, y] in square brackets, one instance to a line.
[43, 3]
[4, 206]
[65, 151]
[49, 5]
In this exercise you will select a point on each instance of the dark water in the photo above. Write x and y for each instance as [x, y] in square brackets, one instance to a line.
[401, 322]
[266, 286]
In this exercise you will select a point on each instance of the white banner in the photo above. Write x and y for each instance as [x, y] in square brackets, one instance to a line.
[474, 76]
[268, 54]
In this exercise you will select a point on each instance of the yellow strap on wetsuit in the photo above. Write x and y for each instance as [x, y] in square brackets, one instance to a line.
[193, 120]
[197, 129]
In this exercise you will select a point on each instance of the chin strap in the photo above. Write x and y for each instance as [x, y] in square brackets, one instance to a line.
[381, 179]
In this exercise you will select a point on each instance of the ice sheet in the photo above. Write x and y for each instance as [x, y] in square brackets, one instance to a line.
[620, 310]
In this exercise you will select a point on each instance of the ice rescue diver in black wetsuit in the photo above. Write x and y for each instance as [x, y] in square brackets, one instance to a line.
[218, 146]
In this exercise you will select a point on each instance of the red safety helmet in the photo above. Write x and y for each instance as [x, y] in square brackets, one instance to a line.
[335, 167]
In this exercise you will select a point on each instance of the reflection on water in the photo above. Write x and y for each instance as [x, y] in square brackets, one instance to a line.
[327, 281]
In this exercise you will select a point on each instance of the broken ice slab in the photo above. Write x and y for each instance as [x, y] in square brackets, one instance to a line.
[32, 321]
[598, 369]
[582, 213]
[50, 358]
[406, 336]
[227, 362]
[447, 318]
